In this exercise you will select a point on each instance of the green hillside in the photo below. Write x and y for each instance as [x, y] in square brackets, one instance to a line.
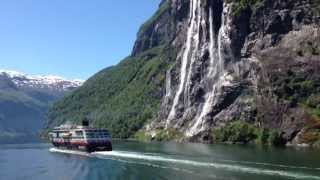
[20, 114]
[120, 98]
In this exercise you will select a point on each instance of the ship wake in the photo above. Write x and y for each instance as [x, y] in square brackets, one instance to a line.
[225, 165]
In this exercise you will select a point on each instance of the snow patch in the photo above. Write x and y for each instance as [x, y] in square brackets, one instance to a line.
[38, 81]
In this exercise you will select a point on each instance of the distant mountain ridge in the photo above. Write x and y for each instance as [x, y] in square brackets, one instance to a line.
[24, 100]
[35, 81]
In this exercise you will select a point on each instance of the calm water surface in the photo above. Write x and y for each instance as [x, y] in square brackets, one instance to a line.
[138, 161]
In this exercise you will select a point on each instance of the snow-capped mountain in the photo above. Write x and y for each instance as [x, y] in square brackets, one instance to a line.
[49, 82]
[24, 101]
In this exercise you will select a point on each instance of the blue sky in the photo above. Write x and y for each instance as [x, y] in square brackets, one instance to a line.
[69, 38]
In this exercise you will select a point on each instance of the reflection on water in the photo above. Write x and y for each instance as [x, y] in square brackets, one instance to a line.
[134, 160]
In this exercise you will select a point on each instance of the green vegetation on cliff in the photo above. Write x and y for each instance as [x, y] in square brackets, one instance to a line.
[313, 106]
[149, 23]
[290, 87]
[124, 97]
[242, 132]
[21, 114]
[240, 5]
[120, 98]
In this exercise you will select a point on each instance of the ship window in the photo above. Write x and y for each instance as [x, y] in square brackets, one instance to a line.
[96, 133]
[53, 135]
[89, 135]
[79, 133]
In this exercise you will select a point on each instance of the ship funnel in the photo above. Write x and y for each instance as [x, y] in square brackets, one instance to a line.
[85, 122]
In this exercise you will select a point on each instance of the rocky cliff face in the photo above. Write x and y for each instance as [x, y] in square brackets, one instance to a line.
[234, 57]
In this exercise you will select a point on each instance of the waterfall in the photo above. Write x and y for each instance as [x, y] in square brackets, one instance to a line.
[216, 74]
[196, 39]
[168, 83]
[168, 86]
[194, 5]
[211, 46]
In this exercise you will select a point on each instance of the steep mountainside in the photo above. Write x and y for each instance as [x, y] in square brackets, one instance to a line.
[212, 70]
[24, 100]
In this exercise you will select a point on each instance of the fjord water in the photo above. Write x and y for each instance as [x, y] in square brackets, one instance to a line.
[136, 160]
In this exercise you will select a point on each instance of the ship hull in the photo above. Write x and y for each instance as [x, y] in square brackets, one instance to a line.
[84, 146]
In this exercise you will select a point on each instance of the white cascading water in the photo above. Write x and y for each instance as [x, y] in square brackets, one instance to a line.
[196, 41]
[216, 73]
[212, 49]
[194, 4]
[168, 84]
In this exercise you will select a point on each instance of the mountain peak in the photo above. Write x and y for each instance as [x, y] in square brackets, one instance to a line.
[14, 74]
[11, 73]
[41, 81]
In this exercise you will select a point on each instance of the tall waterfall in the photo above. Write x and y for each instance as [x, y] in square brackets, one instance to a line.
[212, 49]
[216, 75]
[168, 86]
[194, 51]
[192, 37]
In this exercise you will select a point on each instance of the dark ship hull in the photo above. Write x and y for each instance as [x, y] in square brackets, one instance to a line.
[83, 146]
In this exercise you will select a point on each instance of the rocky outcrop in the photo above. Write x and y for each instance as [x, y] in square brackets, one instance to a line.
[289, 81]
[158, 30]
